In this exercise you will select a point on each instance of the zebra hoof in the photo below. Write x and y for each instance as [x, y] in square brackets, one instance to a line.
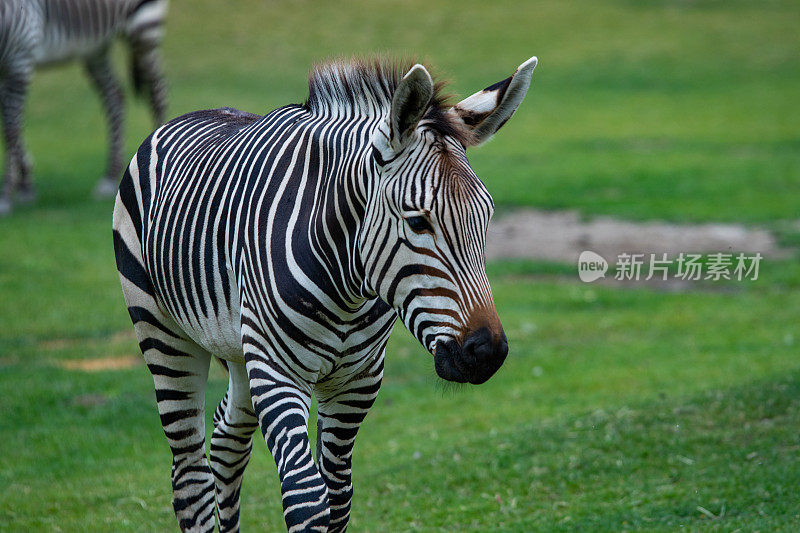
[106, 188]
[5, 207]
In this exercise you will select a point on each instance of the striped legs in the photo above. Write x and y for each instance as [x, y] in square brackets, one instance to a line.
[145, 31]
[180, 371]
[339, 417]
[105, 82]
[148, 77]
[316, 497]
[17, 167]
[282, 410]
[231, 442]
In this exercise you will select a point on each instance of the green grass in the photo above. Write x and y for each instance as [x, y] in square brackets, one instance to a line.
[618, 408]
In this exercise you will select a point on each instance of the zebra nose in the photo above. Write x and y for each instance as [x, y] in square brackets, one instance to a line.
[483, 353]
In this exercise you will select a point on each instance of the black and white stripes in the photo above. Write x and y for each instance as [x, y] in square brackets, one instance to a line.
[287, 245]
[41, 32]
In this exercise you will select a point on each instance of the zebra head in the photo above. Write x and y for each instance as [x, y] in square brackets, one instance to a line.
[424, 234]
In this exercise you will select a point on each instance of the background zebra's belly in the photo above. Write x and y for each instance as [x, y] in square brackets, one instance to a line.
[53, 52]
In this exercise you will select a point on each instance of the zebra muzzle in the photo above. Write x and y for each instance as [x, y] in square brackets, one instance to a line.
[474, 361]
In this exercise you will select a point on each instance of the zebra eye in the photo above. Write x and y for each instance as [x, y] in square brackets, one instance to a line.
[419, 224]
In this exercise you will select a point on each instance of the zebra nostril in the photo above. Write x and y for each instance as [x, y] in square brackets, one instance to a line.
[482, 354]
[477, 349]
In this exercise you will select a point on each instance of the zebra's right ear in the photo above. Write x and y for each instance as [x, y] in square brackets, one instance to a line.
[409, 103]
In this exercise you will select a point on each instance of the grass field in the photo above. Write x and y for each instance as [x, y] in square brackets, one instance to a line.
[618, 408]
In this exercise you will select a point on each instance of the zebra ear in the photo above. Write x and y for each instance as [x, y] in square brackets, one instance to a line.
[486, 111]
[409, 103]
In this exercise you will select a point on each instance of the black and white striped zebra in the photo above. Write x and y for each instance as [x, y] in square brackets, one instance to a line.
[287, 245]
[42, 32]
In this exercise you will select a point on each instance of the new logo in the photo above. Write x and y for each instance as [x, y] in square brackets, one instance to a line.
[591, 266]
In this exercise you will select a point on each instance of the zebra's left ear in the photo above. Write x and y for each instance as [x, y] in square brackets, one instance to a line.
[409, 103]
[486, 111]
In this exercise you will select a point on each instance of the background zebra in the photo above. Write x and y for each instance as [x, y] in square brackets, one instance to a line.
[287, 245]
[41, 32]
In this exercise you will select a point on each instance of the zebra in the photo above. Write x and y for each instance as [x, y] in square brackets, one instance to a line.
[287, 245]
[37, 33]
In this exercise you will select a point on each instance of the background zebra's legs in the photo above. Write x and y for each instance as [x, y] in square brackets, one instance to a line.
[148, 77]
[145, 32]
[338, 419]
[234, 424]
[17, 167]
[282, 411]
[108, 87]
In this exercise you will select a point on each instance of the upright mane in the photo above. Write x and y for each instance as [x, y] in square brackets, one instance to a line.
[366, 86]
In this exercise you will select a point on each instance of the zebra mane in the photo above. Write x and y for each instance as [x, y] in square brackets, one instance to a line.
[366, 86]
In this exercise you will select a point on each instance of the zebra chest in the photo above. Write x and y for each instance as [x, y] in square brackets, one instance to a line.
[321, 341]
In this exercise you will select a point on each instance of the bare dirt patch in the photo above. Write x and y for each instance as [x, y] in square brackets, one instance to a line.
[8, 361]
[562, 235]
[101, 364]
[118, 338]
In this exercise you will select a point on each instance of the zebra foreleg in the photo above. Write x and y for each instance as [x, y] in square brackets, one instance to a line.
[108, 87]
[231, 442]
[282, 410]
[338, 419]
[17, 167]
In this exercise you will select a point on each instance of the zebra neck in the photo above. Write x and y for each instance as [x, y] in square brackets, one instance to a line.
[336, 199]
